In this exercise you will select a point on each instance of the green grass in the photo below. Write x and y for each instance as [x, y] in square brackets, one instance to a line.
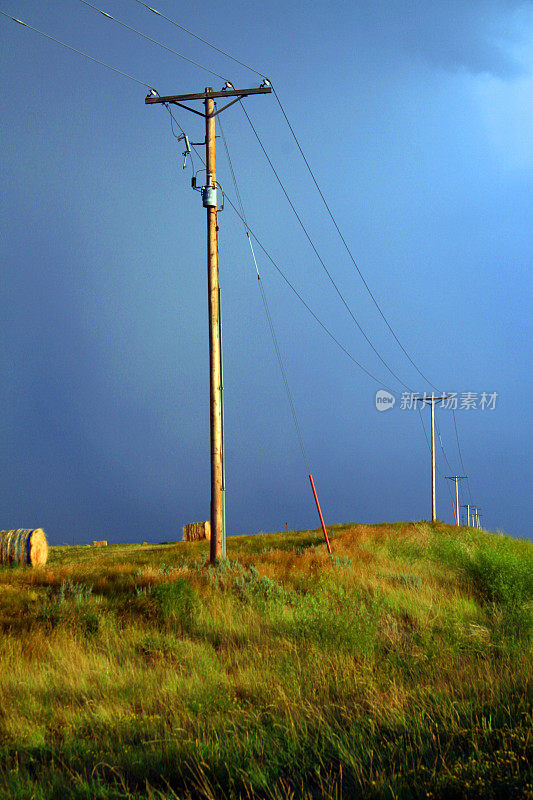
[399, 668]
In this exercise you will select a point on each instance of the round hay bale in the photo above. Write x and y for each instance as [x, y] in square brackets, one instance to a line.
[24, 546]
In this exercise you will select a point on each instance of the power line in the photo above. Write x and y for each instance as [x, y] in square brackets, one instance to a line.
[79, 52]
[241, 213]
[199, 38]
[429, 448]
[426, 437]
[447, 462]
[249, 231]
[85, 2]
[285, 278]
[313, 246]
[461, 455]
[367, 287]
[265, 303]
[241, 63]
[442, 447]
[333, 219]
[445, 457]
[274, 339]
[149, 39]
[310, 310]
[247, 66]
[311, 172]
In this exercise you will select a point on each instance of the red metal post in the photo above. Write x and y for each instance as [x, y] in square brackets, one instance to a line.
[454, 514]
[320, 514]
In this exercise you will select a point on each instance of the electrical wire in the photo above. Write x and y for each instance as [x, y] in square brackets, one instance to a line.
[248, 230]
[75, 50]
[341, 296]
[447, 462]
[265, 303]
[313, 246]
[179, 138]
[343, 240]
[426, 438]
[442, 446]
[280, 361]
[286, 279]
[443, 452]
[328, 209]
[154, 41]
[335, 223]
[199, 38]
[311, 172]
[461, 457]
[424, 429]
[310, 310]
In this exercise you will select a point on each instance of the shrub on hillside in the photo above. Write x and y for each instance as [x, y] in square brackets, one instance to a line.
[176, 603]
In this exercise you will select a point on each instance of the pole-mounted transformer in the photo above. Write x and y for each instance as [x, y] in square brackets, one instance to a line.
[209, 196]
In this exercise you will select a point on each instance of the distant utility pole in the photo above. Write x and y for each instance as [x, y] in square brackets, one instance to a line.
[467, 506]
[209, 199]
[432, 400]
[456, 478]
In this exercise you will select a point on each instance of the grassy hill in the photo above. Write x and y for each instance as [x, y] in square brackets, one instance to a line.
[399, 668]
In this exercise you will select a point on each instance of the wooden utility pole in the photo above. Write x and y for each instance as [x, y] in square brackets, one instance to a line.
[215, 383]
[432, 400]
[433, 488]
[456, 478]
[467, 506]
[209, 198]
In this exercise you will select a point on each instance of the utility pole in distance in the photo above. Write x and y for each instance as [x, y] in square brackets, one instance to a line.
[432, 400]
[456, 478]
[209, 199]
[467, 506]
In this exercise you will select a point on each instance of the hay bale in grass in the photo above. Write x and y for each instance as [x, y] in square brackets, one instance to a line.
[196, 531]
[24, 546]
[101, 543]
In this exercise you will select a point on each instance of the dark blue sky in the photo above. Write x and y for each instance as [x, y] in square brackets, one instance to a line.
[417, 119]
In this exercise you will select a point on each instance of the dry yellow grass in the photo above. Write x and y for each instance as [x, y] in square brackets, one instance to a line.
[139, 673]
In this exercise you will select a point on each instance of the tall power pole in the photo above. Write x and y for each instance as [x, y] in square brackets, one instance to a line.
[209, 198]
[432, 400]
[215, 381]
[456, 478]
